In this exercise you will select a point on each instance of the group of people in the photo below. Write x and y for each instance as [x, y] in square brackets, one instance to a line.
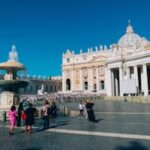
[47, 111]
[15, 116]
[28, 116]
[86, 110]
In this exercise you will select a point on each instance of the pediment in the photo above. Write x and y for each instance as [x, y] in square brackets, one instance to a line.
[98, 59]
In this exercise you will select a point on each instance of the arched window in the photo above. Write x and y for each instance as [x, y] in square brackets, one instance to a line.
[68, 85]
[68, 60]
[46, 88]
[51, 88]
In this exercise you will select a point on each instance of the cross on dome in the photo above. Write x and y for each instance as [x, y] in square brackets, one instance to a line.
[129, 27]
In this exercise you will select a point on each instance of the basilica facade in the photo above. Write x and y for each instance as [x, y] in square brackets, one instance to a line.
[120, 69]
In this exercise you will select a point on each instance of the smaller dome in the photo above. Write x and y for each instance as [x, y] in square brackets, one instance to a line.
[131, 39]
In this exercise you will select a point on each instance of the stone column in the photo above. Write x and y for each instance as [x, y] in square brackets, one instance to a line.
[72, 80]
[81, 79]
[112, 83]
[116, 86]
[128, 72]
[120, 79]
[63, 81]
[136, 76]
[108, 83]
[92, 86]
[97, 79]
[90, 79]
[145, 80]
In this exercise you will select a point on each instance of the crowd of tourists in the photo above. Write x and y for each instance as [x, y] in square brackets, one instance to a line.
[27, 109]
[59, 97]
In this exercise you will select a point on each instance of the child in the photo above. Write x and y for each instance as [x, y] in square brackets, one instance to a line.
[12, 119]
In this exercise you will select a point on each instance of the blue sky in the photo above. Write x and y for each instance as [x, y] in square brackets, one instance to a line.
[43, 29]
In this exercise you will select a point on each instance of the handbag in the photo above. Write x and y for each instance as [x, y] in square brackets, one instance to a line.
[24, 116]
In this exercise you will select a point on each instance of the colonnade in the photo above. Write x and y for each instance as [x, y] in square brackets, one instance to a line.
[140, 75]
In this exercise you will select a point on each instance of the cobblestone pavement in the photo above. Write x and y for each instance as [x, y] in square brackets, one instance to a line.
[120, 126]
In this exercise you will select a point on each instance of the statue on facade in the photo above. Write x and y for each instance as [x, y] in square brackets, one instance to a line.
[101, 47]
[96, 48]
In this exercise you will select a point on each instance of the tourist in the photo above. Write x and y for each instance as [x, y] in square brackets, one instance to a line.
[81, 109]
[53, 112]
[85, 115]
[20, 109]
[12, 119]
[30, 111]
[89, 107]
[46, 115]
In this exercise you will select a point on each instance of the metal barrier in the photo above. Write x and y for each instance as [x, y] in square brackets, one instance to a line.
[64, 110]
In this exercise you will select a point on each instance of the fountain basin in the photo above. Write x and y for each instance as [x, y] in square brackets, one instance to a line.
[13, 83]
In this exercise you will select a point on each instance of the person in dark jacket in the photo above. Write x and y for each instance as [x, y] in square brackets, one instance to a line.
[20, 109]
[89, 107]
[30, 111]
[53, 112]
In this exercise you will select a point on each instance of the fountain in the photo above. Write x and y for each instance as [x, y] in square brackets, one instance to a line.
[11, 83]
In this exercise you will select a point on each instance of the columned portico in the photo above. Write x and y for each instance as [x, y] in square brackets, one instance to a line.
[115, 82]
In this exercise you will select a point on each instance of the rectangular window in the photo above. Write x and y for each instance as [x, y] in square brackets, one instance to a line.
[102, 85]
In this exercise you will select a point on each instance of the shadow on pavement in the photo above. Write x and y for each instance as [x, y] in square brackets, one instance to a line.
[62, 123]
[134, 145]
[35, 148]
[99, 120]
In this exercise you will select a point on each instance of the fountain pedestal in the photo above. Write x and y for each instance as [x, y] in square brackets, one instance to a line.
[11, 83]
[7, 99]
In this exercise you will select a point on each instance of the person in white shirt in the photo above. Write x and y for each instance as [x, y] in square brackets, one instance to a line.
[46, 115]
[81, 109]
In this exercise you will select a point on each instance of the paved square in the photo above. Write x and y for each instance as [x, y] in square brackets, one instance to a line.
[121, 126]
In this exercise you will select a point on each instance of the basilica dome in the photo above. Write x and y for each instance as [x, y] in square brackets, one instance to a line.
[131, 39]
